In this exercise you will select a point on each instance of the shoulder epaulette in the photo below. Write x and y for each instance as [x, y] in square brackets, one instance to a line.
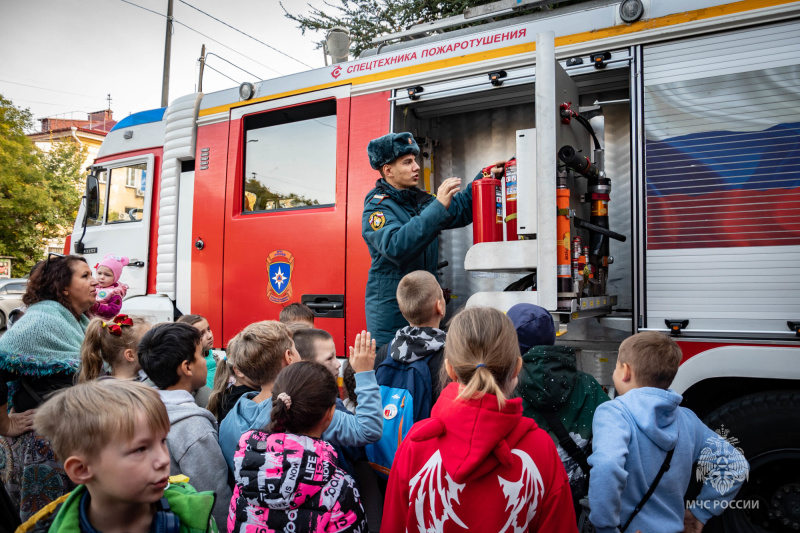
[378, 198]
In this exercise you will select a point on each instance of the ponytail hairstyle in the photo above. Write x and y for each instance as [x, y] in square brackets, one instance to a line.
[482, 348]
[221, 381]
[105, 342]
[312, 391]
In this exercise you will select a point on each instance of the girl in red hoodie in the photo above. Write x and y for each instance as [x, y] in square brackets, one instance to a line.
[477, 464]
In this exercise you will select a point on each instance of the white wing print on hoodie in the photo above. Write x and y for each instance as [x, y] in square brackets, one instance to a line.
[529, 491]
[428, 485]
[432, 485]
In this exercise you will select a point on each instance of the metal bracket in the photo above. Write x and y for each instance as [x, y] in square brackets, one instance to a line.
[413, 92]
[676, 326]
[496, 77]
[599, 59]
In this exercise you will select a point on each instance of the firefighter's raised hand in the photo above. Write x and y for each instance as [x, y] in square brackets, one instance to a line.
[447, 189]
[362, 355]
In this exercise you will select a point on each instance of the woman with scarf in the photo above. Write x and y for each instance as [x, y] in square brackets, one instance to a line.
[39, 355]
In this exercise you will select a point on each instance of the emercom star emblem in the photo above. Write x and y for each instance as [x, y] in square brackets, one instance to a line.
[279, 278]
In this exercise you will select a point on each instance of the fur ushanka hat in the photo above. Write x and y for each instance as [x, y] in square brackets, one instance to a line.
[386, 149]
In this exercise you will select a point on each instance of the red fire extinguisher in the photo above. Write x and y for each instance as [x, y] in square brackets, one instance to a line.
[511, 199]
[487, 208]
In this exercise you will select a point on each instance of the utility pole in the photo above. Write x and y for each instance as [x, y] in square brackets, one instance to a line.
[167, 47]
[202, 64]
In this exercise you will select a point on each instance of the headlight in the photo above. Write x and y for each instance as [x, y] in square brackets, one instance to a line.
[246, 91]
[631, 10]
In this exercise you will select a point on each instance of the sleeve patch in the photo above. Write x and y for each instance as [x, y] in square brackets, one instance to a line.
[377, 220]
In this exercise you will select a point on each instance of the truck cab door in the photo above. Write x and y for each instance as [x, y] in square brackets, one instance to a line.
[286, 210]
[122, 225]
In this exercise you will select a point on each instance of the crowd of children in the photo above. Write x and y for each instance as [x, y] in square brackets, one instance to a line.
[488, 427]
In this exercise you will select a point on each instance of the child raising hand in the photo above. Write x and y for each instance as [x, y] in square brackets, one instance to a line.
[286, 476]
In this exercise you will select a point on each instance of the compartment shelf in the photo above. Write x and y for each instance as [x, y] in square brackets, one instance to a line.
[503, 256]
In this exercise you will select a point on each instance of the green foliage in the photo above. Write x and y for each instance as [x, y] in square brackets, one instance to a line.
[268, 200]
[366, 19]
[39, 191]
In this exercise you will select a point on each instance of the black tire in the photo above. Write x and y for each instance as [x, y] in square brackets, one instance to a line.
[767, 429]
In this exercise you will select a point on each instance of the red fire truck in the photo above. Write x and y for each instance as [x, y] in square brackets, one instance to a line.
[656, 189]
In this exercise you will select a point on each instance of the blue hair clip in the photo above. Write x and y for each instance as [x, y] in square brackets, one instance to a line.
[480, 365]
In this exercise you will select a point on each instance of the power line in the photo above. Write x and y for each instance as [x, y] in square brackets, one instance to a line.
[220, 73]
[175, 21]
[234, 64]
[146, 9]
[46, 89]
[243, 33]
[228, 47]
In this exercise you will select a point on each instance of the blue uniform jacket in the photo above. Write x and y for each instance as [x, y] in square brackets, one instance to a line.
[401, 228]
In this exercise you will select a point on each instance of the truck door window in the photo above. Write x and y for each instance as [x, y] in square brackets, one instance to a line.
[127, 188]
[290, 158]
[102, 179]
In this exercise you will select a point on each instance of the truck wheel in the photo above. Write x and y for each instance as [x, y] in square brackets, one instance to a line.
[766, 427]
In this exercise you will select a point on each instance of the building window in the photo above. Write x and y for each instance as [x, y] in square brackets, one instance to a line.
[127, 187]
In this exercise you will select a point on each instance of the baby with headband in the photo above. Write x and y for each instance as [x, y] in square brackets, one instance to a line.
[287, 478]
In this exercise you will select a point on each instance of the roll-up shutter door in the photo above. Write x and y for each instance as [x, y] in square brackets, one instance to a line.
[722, 172]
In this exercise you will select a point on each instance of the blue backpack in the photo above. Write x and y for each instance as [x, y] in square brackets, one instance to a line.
[406, 398]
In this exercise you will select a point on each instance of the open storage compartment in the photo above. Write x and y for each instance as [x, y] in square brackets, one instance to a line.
[462, 125]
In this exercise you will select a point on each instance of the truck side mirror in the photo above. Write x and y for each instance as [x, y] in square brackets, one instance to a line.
[92, 197]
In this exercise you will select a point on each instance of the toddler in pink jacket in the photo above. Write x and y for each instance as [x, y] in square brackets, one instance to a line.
[110, 291]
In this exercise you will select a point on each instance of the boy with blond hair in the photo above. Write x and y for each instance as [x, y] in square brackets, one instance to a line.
[260, 351]
[410, 368]
[110, 436]
[421, 300]
[644, 439]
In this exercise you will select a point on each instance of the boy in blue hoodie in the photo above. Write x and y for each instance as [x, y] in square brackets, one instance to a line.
[260, 351]
[632, 436]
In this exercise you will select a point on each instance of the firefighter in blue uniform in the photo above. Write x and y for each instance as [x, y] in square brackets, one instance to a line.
[401, 225]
